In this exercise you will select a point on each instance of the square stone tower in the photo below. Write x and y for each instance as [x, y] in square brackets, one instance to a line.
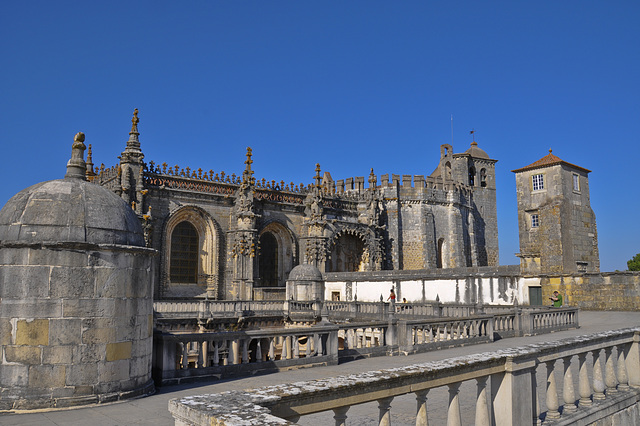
[556, 223]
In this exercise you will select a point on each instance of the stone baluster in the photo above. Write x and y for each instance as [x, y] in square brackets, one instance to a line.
[245, 351]
[272, 349]
[584, 387]
[200, 361]
[185, 355]
[421, 411]
[216, 354]
[384, 407]
[296, 347]
[632, 359]
[609, 372]
[340, 415]
[482, 408]
[454, 416]
[259, 351]
[232, 352]
[621, 369]
[286, 351]
[598, 382]
[319, 348]
[552, 392]
[568, 392]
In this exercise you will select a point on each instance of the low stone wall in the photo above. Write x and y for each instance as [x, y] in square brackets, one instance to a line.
[609, 291]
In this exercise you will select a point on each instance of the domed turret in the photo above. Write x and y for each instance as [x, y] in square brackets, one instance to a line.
[76, 276]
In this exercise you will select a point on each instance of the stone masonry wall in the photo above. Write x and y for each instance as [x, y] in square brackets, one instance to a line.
[76, 325]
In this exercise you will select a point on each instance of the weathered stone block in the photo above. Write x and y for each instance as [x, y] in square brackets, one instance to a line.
[57, 354]
[72, 282]
[99, 335]
[46, 376]
[5, 332]
[58, 258]
[83, 374]
[23, 354]
[89, 353]
[10, 308]
[65, 331]
[14, 256]
[118, 351]
[14, 376]
[19, 282]
[34, 332]
[114, 371]
[112, 283]
[88, 308]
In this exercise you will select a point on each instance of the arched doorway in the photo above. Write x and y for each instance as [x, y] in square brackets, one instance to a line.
[268, 260]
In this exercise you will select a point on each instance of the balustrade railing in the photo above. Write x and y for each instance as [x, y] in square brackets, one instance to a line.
[191, 356]
[506, 383]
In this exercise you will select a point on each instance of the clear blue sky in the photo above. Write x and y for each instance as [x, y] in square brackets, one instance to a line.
[347, 84]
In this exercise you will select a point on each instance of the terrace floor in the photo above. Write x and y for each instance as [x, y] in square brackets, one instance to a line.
[152, 410]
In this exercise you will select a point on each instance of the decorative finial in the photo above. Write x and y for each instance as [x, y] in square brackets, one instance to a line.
[133, 144]
[550, 150]
[473, 137]
[247, 175]
[134, 121]
[317, 178]
[89, 163]
[76, 167]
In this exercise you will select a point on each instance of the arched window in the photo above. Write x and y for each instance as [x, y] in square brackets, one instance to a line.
[268, 260]
[439, 263]
[483, 177]
[472, 176]
[447, 171]
[184, 254]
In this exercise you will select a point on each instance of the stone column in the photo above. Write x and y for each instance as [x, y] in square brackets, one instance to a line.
[610, 379]
[482, 409]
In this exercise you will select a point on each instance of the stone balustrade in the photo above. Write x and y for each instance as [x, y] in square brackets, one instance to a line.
[191, 356]
[337, 311]
[506, 381]
[194, 356]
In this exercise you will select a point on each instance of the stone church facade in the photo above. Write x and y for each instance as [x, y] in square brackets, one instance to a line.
[227, 236]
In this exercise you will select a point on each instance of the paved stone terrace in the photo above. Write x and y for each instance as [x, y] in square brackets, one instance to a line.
[153, 410]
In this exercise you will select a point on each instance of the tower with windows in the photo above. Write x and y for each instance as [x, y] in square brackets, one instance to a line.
[556, 223]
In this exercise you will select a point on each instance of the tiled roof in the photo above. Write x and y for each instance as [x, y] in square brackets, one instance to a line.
[549, 160]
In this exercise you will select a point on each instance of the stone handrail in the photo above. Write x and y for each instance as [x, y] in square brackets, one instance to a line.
[608, 382]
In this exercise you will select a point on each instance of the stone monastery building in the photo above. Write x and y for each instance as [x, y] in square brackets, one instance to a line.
[83, 259]
[227, 236]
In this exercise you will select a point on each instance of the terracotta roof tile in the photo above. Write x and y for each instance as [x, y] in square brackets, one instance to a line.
[548, 160]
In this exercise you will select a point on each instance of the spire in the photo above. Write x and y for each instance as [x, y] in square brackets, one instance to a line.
[76, 167]
[247, 175]
[133, 144]
[90, 172]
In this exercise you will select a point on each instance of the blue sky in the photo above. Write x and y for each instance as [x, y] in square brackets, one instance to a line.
[348, 84]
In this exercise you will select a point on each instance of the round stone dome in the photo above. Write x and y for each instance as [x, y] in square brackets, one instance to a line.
[476, 152]
[305, 273]
[69, 210]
